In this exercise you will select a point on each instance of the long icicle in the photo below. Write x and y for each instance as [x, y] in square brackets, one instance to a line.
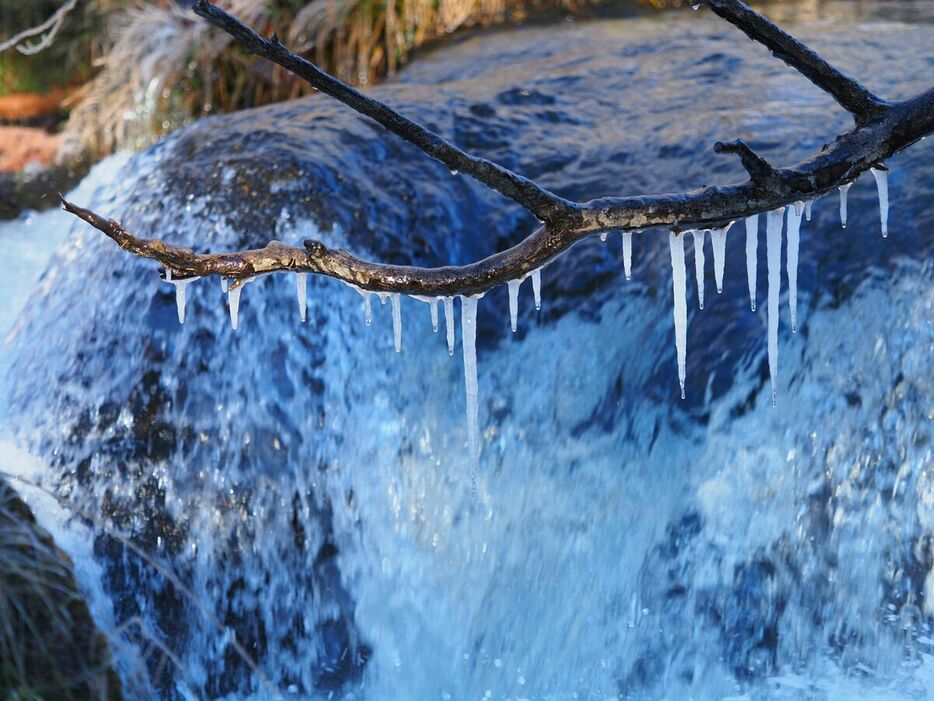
[882, 185]
[469, 342]
[301, 285]
[844, 189]
[396, 322]
[679, 287]
[449, 322]
[718, 243]
[627, 254]
[752, 253]
[433, 302]
[773, 239]
[791, 260]
[513, 286]
[699, 235]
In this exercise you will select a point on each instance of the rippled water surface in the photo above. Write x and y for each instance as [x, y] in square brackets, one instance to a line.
[306, 492]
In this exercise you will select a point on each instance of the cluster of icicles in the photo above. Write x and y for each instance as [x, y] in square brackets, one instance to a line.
[774, 223]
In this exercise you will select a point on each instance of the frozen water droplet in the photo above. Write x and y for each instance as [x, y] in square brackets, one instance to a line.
[791, 262]
[882, 185]
[773, 240]
[843, 190]
[537, 288]
[699, 264]
[514, 303]
[603, 237]
[718, 243]
[433, 302]
[449, 322]
[454, 171]
[383, 296]
[469, 342]
[627, 254]
[679, 287]
[396, 322]
[301, 285]
[752, 252]
[808, 206]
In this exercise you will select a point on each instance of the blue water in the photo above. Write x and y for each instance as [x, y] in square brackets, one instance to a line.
[310, 490]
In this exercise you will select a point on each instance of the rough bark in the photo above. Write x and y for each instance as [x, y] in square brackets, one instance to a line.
[881, 130]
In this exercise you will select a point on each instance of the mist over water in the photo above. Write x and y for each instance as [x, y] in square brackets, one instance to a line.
[310, 489]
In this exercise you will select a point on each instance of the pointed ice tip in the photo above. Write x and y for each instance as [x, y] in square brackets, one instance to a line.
[794, 328]
[719, 290]
[753, 306]
[629, 277]
[682, 389]
[774, 395]
[885, 234]
[843, 225]
[701, 304]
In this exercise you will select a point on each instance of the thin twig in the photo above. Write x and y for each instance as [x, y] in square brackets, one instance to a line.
[52, 25]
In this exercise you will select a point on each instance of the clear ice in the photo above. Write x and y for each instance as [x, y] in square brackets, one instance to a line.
[718, 242]
[843, 190]
[180, 286]
[807, 209]
[433, 303]
[773, 234]
[791, 262]
[537, 287]
[752, 252]
[396, 322]
[301, 285]
[603, 237]
[679, 286]
[699, 235]
[449, 322]
[627, 254]
[882, 185]
[469, 342]
[513, 286]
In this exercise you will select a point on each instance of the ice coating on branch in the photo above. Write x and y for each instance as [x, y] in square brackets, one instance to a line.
[679, 286]
[718, 242]
[449, 322]
[301, 286]
[882, 185]
[752, 252]
[537, 287]
[791, 262]
[469, 342]
[807, 209]
[396, 322]
[843, 190]
[699, 263]
[513, 286]
[603, 236]
[627, 254]
[433, 303]
[773, 239]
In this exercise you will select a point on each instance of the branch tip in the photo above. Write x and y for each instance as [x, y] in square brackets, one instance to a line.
[759, 169]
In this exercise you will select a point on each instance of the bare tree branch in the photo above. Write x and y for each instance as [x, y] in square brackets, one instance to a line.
[51, 25]
[882, 129]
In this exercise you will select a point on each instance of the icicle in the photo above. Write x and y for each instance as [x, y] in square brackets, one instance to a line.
[807, 209]
[233, 302]
[699, 264]
[843, 190]
[180, 286]
[367, 307]
[679, 286]
[882, 185]
[224, 285]
[514, 302]
[396, 322]
[469, 342]
[773, 239]
[433, 302]
[603, 237]
[537, 288]
[301, 284]
[752, 252]
[791, 262]
[449, 322]
[718, 242]
[627, 254]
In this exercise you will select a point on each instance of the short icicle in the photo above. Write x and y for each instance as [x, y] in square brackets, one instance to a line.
[224, 285]
[807, 209]
[469, 342]
[301, 286]
[752, 252]
[449, 322]
[367, 307]
[233, 302]
[679, 286]
[791, 261]
[627, 254]
[513, 286]
[882, 185]
[433, 303]
[396, 322]
[537, 288]
[180, 286]
[773, 234]
[718, 242]
[845, 188]
[699, 235]
[603, 237]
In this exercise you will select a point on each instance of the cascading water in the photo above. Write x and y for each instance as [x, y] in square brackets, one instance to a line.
[311, 489]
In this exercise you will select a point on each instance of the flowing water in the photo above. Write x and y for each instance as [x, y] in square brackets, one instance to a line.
[304, 493]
